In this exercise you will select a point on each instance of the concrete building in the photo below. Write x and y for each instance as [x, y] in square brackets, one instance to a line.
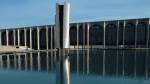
[130, 33]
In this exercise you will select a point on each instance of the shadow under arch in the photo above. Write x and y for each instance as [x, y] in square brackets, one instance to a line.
[11, 37]
[111, 34]
[141, 33]
[3, 37]
[129, 35]
[96, 35]
[43, 38]
[73, 35]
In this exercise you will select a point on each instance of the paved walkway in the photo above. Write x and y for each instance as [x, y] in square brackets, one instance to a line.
[13, 49]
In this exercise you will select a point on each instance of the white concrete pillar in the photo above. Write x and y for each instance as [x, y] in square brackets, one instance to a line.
[88, 28]
[52, 58]
[47, 45]
[8, 61]
[0, 38]
[7, 38]
[88, 51]
[18, 37]
[77, 48]
[31, 38]
[118, 34]
[104, 40]
[84, 35]
[52, 37]
[14, 36]
[77, 36]
[136, 25]
[38, 38]
[39, 61]
[124, 27]
[25, 37]
[147, 41]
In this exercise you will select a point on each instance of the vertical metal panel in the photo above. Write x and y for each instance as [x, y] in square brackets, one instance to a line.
[66, 42]
[57, 29]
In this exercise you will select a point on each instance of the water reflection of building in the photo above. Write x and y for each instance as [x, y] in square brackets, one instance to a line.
[118, 63]
[118, 33]
[37, 61]
[122, 63]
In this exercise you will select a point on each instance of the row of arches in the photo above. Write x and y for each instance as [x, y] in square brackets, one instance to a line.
[13, 38]
[112, 34]
[128, 35]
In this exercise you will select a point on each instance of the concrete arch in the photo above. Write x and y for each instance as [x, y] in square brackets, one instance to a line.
[82, 34]
[129, 35]
[42, 39]
[120, 36]
[28, 37]
[34, 38]
[73, 35]
[22, 39]
[3, 37]
[49, 37]
[141, 33]
[96, 35]
[16, 36]
[11, 37]
[111, 34]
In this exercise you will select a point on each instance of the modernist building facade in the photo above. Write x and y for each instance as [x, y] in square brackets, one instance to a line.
[130, 33]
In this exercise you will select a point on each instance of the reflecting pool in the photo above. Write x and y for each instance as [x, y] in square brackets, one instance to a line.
[87, 66]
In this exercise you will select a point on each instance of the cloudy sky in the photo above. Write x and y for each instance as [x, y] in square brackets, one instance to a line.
[19, 13]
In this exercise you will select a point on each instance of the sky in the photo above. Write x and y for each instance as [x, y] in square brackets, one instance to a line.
[23, 13]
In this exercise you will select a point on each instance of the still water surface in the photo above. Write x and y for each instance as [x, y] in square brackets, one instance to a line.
[89, 66]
